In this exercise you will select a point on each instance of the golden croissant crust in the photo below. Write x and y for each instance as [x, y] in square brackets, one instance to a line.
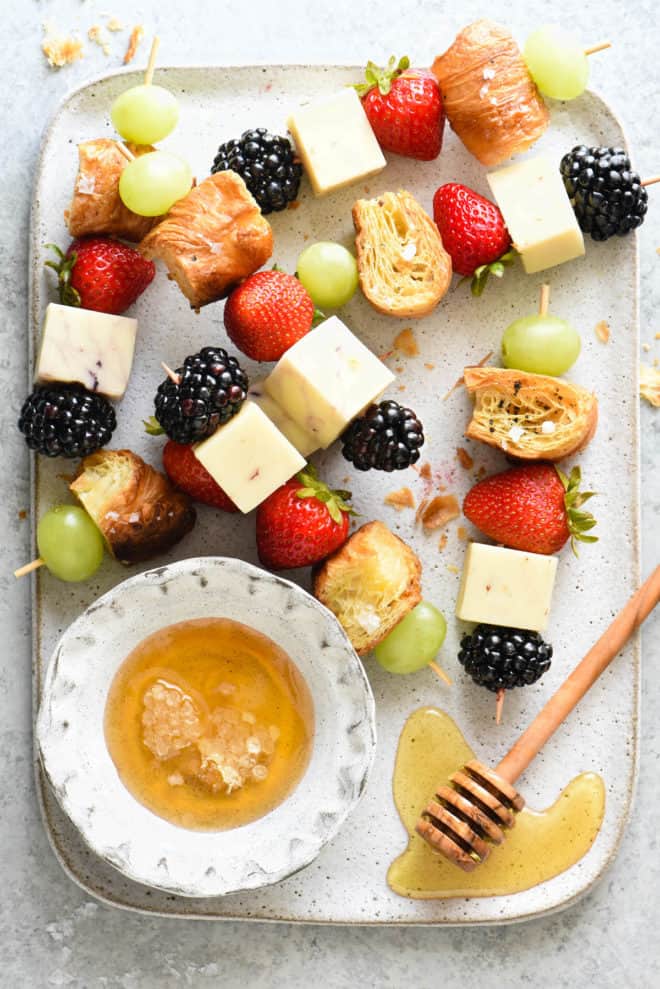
[139, 512]
[530, 416]
[404, 269]
[96, 207]
[212, 239]
[370, 584]
[488, 94]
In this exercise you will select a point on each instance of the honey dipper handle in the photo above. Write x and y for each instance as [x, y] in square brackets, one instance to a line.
[575, 686]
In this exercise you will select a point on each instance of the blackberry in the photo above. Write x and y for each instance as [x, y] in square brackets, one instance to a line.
[211, 388]
[387, 437]
[267, 164]
[65, 421]
[501, 658]
[607, 196]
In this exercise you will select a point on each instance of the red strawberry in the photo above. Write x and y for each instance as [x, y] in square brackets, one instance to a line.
[102, 274]
[185, 471]
[535, 508]
[301, 523]
[473, 233]
[267, 314]
[404, 107]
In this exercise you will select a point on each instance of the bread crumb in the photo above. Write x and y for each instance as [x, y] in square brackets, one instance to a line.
[403, 498]
[294, 205]
[481, 472]
[425, 471]
[451, 568]
[461, 381]
[398, 368]
[420, 511]
[386, 355]
[96, 35]
[430, 366]
[114, 24]
[657, 336]
[442, 541]
[137, 34]
[646, 347]
[461, 532]
[401, 388]
[602, 331]
[22, 514]
[464, 458]
[649, 384]
[439, 511]
[62, 51]
[405, 342]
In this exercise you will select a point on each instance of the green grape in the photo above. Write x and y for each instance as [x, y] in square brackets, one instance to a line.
[151, 184]
[69, 543]
[414, 642]
[557, 63]
[329, 273]
[541, 345]
[145, 114]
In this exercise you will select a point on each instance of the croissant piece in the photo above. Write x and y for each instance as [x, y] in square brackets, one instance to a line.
[212, 239]
[488, 94]
[139, 512]
[370, 584]
[404, 269]
[96, 207]
[530, 416]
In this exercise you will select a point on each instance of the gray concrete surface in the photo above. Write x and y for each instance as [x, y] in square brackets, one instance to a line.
[50, 933]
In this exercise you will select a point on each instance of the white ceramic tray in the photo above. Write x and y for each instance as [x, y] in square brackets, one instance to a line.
[346, 884]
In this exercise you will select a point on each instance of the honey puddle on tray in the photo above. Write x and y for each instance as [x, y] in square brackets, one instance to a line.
[539, 847]
[209, 724]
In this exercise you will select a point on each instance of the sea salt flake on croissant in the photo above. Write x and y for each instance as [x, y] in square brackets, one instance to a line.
[530, 416]
[488, 94]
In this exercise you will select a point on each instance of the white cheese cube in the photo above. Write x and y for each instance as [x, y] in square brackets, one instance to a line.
[303, 442]
[326, 379]
[92, 349]
[335, 141]
[506, 587]
[538, 213]
[249, 457]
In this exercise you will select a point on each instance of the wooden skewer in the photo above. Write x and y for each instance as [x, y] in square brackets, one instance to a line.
[172, 375]
[125, 151]
[438, 670]
[149, 74]
[651, 181]
[598, 48]
[29, 567]
[544, 300]
[499, 705]
[483, 801]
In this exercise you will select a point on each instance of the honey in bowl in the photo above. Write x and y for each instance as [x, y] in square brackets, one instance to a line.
[539, 846]
[209, 724]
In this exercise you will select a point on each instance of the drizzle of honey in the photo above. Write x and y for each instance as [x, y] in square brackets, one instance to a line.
[218, 664]
[539, 847]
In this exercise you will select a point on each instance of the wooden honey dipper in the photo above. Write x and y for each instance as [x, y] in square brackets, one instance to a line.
[466, 819]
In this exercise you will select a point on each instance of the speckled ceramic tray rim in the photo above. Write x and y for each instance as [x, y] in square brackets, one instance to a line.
[179, 908]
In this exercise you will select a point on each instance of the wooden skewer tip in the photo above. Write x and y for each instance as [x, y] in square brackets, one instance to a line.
[498, 706]
[28, 568]
[544, 300]
[597, 48]
[651, 181]
[149, 74]
[439, 672]
[172, 375]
